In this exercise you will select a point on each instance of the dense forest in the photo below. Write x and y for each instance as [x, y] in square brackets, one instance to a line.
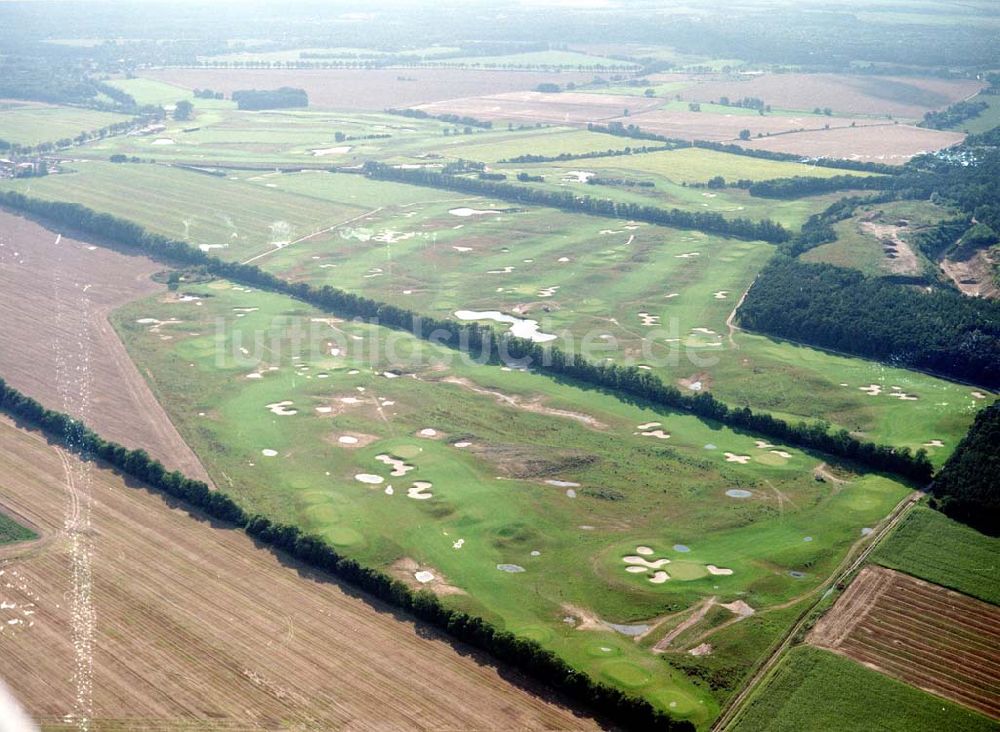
[841, 309]
[968, 487]
[486, 344]
[525, 654]
[712, 223]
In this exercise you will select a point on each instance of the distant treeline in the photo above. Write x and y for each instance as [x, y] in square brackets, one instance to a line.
[800, 186]
[711, 223]
[525, 654]
[968, 486]
[832, 307]
[624, 182]
[633, 131]
[286, 96]
[624, 381]
[454, 119]
[563, 157]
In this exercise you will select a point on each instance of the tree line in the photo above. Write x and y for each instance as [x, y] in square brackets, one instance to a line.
[954, 115]
[454, 119]
[832, 307]
[799, 186]
[626, 382]
[563, 157]
[968, 486]
[711, 223]
[527, 655]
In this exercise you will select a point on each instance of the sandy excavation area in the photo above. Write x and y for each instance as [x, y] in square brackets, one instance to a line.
[197, 628]
[59, 347]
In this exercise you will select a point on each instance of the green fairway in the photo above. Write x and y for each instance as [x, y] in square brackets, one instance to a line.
[933, 547]
[29, 123]
[11, 531]
[521, 470]
[814, 691]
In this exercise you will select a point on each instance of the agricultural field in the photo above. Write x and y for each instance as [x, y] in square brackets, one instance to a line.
[586, 280]
[906, 98]
[32, 123]
[879, 240]
[484, 483]
[577, 108]
[570, 60]
[55, 296]
[814, 690]
[931, 546]
[182, 625]
[920, 633]
[371, 90]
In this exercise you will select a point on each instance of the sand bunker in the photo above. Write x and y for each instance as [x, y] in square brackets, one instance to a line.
[512, 568]
[718, 571]
[458, 544]
[934, 443]
[163, 141]
[369, 478]
[462, 249]
[903, 396]
[520, 327]
[563, 259]
[738, 607]
[505, 270]
[320, 152]
[636, 570]
[428, 432]
[350, 400]
[733, 458]
[644, 550]
[472, 212]
[399, 468]
[416, 492]
[347, 440]
[281, 409]
[659, 577]
[738, 493]
[701, 650]
[255, 375]
[782, 454]
[423, 577]
[462, 444]
[570, 493]
[687, 255]
[268, 453]
[978, 395]
[548, 291]
[871, 389]
[763, 445]
[658, 434]
[721, 294]
[637, 560]
[649, 320]
[389, 491]
[563, 483]
[648, 425]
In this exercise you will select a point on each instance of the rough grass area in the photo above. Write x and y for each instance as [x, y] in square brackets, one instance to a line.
[933, 547]
[26, 123]
[814, 691]
[11, 531]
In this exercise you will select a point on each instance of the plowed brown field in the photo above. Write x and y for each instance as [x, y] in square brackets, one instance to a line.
[933, 638]
[135, 615]
[57, 346]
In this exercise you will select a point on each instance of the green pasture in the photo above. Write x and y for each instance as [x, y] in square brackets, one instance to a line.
[517, 430]
[938, 549]
[11, 531]
[814, 690]
[26, 123]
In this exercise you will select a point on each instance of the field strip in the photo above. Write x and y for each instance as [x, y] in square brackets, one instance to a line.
[310, 236]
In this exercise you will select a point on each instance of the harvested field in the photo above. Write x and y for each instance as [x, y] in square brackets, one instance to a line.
[907, 97]
[925, 635]
[529, 106]
[366, 89]
[686, 125]
[892, 144]
[186, 626]
[55, 296]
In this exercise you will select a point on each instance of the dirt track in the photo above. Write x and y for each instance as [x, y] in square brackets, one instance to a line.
[143, 617]
[941, 641]
[57, 346]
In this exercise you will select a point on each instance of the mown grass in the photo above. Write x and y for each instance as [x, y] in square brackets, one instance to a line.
[815, 690]
[11, 531]
[492, 494]
[31, 124]
[933, 547]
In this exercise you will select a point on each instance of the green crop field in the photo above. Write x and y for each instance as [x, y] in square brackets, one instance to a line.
[11, 531]
[814, 690]
[26, 123]
[933, 547]
[521, 470]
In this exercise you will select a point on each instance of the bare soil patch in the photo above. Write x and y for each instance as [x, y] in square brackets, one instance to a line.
[925, 635]
[196, 627]
[518, 402]
[899, 255]
[366, 89]
[973, 276]
[574, 108]
[890, 144]
[716, 127]
[55, 296]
